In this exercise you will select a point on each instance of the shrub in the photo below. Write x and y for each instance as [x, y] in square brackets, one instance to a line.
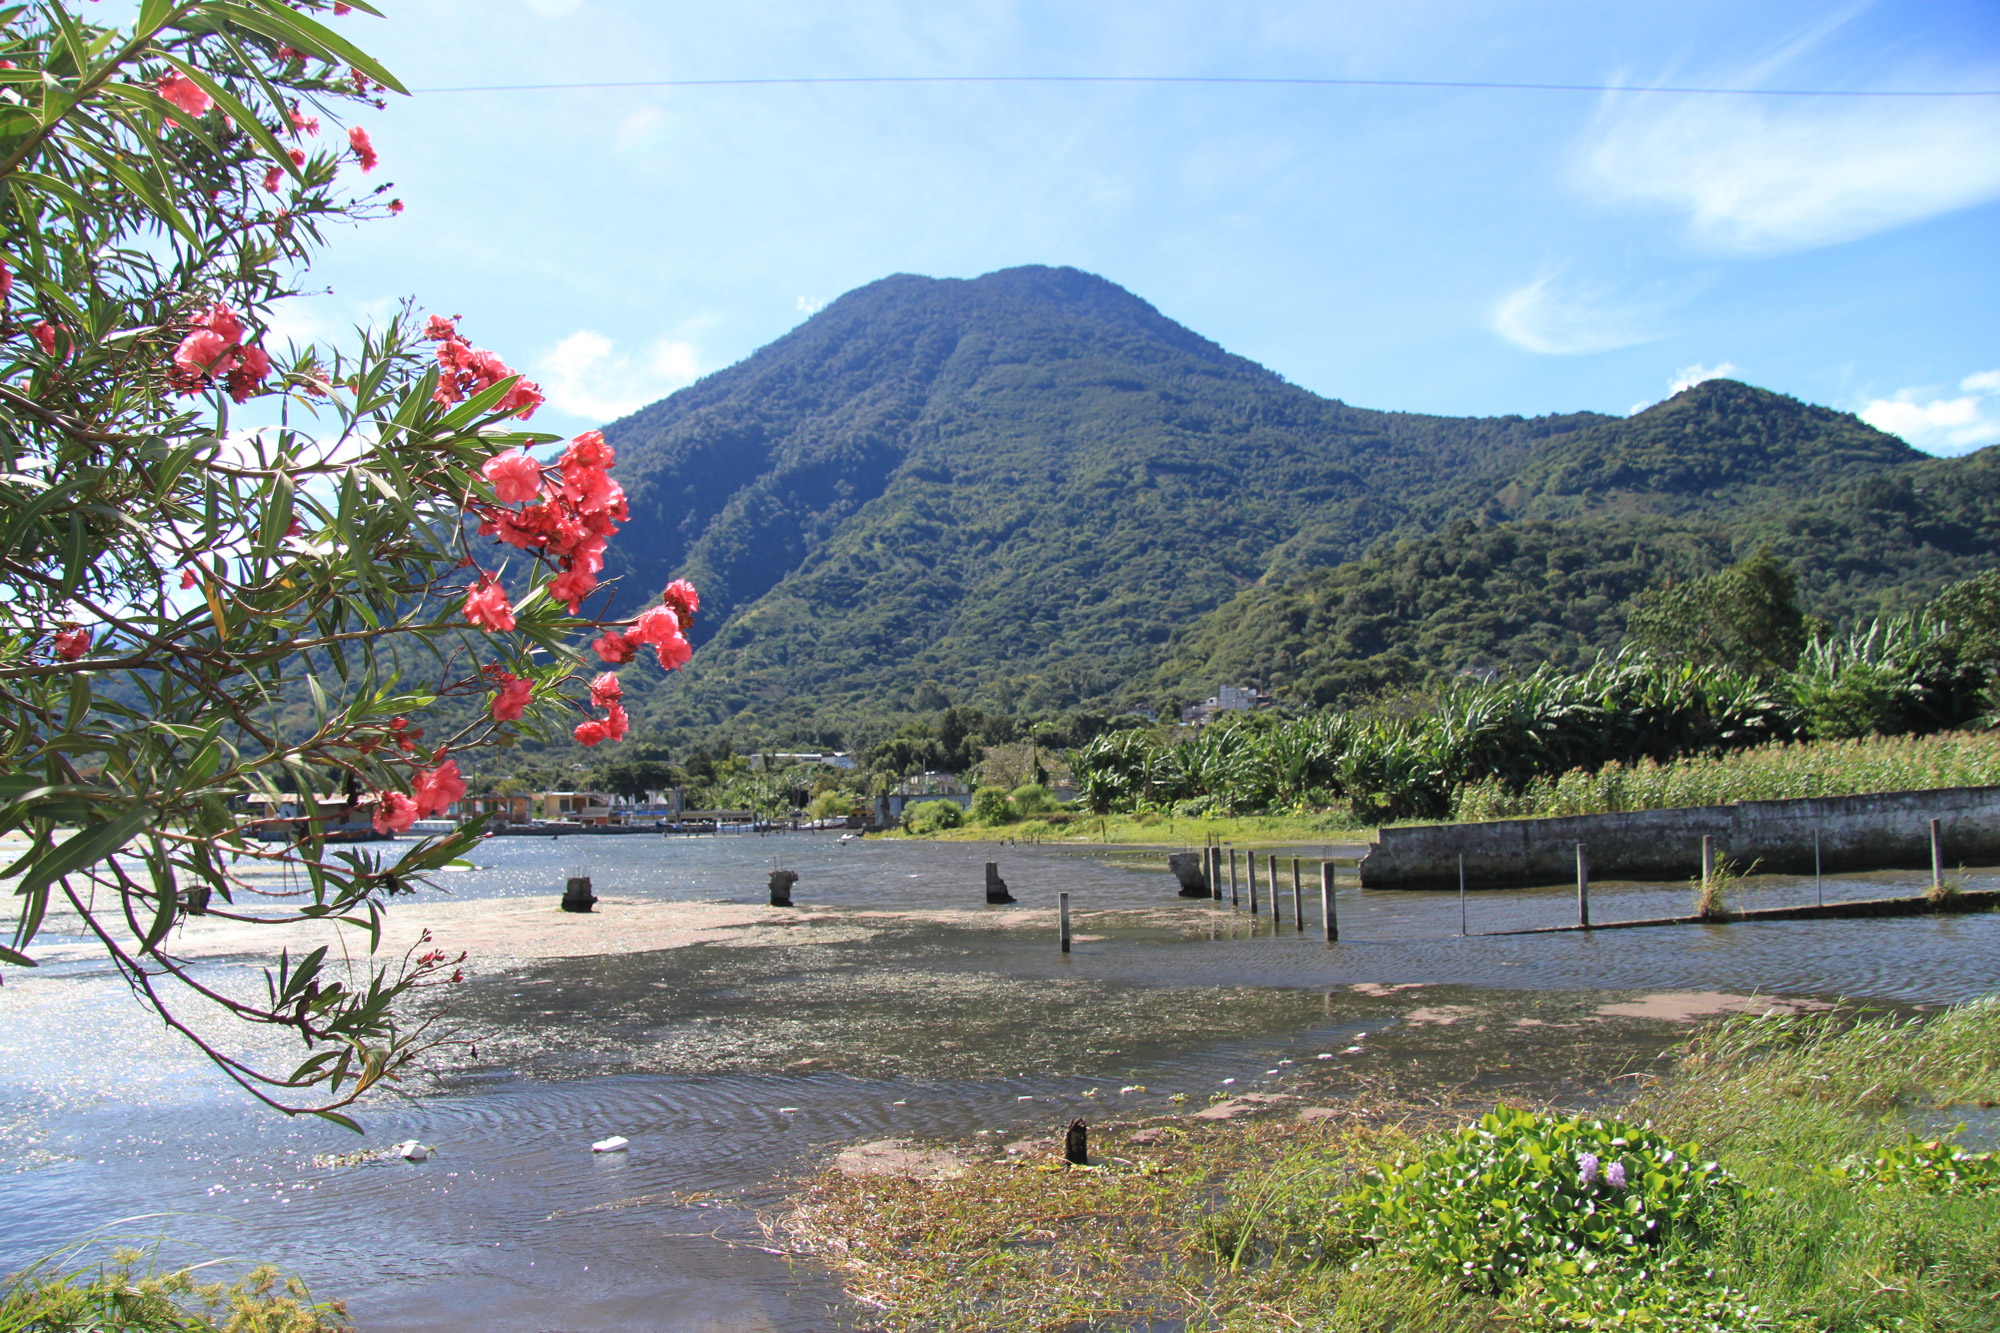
[1520, 1192]
[1032, 798]
[991, 806]
[927, 817]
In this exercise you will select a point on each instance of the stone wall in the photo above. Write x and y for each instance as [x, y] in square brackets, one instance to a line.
[1889, 830]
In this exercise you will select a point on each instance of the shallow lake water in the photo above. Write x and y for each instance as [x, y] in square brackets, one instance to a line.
[909, 1009]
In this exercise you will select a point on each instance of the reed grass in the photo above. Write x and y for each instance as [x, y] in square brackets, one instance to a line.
[1768, 772]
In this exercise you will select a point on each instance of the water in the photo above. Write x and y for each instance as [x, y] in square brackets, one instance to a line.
[895, 1004]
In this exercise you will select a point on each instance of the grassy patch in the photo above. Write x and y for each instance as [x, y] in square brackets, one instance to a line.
[1770, 1184]
[132, 1293]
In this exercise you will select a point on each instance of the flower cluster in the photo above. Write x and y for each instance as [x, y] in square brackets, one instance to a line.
[432, 794]
[464, 370]
[568, 517]
[214, 346]
[608, 694]
[72, 644]
[184, 93]
[664, 627]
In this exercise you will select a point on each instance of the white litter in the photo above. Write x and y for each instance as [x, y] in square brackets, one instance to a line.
[1352, 1050]
[1325, 1055]
[411, 1151]
[788, 1110]
[1284, 1062]
[616, 1143]
[1131, 1087]
[1024, 1099]
[1226, 1082]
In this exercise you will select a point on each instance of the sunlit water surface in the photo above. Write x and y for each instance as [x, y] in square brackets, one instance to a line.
[732, 1069]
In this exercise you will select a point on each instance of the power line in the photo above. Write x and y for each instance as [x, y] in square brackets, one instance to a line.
[1216, 79]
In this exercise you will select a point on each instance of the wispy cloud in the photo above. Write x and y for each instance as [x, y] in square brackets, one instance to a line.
[1939, 423]
[1558, 318]
[586, 376]
[1759, 176]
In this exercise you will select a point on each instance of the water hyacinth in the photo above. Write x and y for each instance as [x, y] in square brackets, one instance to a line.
[1588, 1175]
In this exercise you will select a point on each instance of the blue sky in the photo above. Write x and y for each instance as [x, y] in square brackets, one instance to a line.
[1452, 251]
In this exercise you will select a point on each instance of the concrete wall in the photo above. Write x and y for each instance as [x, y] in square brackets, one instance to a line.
[1889, 830]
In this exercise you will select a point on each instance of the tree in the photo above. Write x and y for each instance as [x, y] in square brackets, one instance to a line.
[1746, 618]
[175, 581]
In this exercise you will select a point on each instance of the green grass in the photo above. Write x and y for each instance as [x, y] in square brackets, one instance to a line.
[1822, 1211]
[1155, 829]
[129, 1291]
[1769, 772]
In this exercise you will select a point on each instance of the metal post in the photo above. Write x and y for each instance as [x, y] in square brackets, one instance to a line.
[1819, 889]
[1062, 900]
[1461, 895]
[1937, 860]
[1298, 900]
[1326, 902]
[1235, 899]
[1582, 887]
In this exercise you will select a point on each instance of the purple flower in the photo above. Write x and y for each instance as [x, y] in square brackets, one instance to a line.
[1614, 1175]
[1589, 1164]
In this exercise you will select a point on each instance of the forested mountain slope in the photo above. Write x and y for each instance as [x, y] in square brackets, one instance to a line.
[1024, 486]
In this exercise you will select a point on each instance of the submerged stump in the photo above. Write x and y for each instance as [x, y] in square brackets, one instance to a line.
[996, 887]
[1076, 1143]
[1188, 869]
[781, 887]
[577, 896]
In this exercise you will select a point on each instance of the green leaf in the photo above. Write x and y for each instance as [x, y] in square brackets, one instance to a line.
[274, 19]
[16, 958]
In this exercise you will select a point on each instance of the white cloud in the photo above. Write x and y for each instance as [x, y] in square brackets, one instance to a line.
[1764, 175]
[811, 308]
[1689, 376]
[1942, 425]
[1558, 319]
[585, 376]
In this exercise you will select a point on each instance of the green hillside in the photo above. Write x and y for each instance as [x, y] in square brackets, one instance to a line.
[1034, 490]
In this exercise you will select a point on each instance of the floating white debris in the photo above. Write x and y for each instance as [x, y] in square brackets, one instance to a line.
[1352, 1050]
[1024, 1099]
[1226, 1082]
[1284, 1062]
[1131, 1087]
[1270, 1071]
[616, 1143]
[411, 1151]
[899, 1103]
[1325, 1055]
[788, 1110]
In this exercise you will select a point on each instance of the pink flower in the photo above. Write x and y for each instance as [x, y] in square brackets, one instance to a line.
[589, 450]
[272, 177]
[655, 626]
[298, 156]
[606, 690]
[220, 319]
[512, 698]
[364, 151]
[72, 644]
[438, 788]
[204, 352]
[340, 9]
[573, 585]
[674, 653]
[304, 123]
[615, 722]
[185, 94]
[486, 604]
[6, 281]
[516, 477]
[685, 601]
[394, 812]
[589, 733]
[251, 369]
[187, 579]
[615, 648]
[395, 206]
[440, 329]
[45, 337]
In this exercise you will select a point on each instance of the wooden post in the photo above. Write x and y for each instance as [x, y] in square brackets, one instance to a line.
[1235, 898]
[1819, 889]
[1215, 871]
[1461, 895]
[1250, 864]
[1326, 915]
[1937, 860]
[1277, 916]
[1062, 901]
[1707, 861]
[1582, 887]
[1298, 900]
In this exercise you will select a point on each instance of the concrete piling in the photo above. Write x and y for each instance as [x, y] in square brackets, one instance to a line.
[1937, 860]
[1707, 861]
[1062, 910]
